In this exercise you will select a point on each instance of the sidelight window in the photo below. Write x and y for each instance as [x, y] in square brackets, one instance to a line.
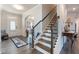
[12, 25]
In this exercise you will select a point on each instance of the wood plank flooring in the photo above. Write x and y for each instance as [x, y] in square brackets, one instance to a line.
[75, 48]
[8, 47]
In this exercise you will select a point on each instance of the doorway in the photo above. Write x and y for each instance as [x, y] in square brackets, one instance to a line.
[13, 27]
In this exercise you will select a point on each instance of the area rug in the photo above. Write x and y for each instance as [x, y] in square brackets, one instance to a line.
[18, 42]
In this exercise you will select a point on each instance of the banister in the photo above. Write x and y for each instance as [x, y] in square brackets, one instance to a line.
[52, 45]
[37, 25]
[44, 18]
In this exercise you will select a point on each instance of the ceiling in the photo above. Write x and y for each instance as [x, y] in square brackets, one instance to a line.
[10, 8]
[71, 6]
[71, 12]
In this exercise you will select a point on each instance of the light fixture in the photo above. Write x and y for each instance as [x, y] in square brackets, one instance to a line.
[74, 9]
[32, 17]
[18, 7]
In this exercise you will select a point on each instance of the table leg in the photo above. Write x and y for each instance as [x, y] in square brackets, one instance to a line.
[69, 45]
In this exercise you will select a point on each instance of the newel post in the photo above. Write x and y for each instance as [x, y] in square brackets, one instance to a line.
[51, 40]
[32, 37]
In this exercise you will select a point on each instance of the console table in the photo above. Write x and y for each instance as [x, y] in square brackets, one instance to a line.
[70, 39]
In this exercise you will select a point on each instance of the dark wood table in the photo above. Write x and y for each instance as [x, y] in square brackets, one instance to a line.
[70, 39]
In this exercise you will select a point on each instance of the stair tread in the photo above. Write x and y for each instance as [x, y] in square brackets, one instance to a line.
[35, 51]
[45, 44]
[50, 32]
[50, 28]
[49, 42]
[52, 25]
[41, 50]
[47, 36]
[48, 39]
[44, 47]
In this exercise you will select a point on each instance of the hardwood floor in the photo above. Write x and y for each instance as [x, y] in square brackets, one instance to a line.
[8, 47]
[75, 48]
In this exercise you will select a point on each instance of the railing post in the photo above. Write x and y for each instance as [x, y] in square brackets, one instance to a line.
[75, 27]
[51, 40]
[32, 37]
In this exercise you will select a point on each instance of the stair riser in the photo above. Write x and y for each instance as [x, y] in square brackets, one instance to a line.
[49, 36]
[49, 31]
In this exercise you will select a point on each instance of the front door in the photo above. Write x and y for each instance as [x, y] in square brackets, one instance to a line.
[13, 25]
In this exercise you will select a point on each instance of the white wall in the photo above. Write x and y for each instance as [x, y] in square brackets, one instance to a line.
[0, 28]
[62, 12]
[46, 8]
[36, 12]
[77, 25]
[74, 16]
[5, 22]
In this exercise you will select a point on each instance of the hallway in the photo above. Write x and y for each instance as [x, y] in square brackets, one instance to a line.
[47, 32]
[75, 48]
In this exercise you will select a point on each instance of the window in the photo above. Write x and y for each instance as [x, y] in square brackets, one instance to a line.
[12, 25]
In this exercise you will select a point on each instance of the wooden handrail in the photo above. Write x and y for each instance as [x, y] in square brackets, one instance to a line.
[51, 51]
[48, 14]
[44, 18]
[37, 25]
[32, 38]
[52, 45]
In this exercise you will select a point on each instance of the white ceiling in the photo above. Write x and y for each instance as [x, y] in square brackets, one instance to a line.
[71, 6]
[70, 11]
[10, 8]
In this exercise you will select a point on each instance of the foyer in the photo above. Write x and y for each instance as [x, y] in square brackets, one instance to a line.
[38, 29]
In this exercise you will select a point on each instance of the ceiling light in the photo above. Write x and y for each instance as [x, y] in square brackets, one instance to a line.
[32, 17]
[18, 7]
[74, 9]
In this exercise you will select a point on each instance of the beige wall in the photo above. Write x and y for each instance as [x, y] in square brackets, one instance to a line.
[5, 22]
[46, 8]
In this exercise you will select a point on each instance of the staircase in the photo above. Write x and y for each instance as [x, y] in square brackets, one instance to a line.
[44, 44]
